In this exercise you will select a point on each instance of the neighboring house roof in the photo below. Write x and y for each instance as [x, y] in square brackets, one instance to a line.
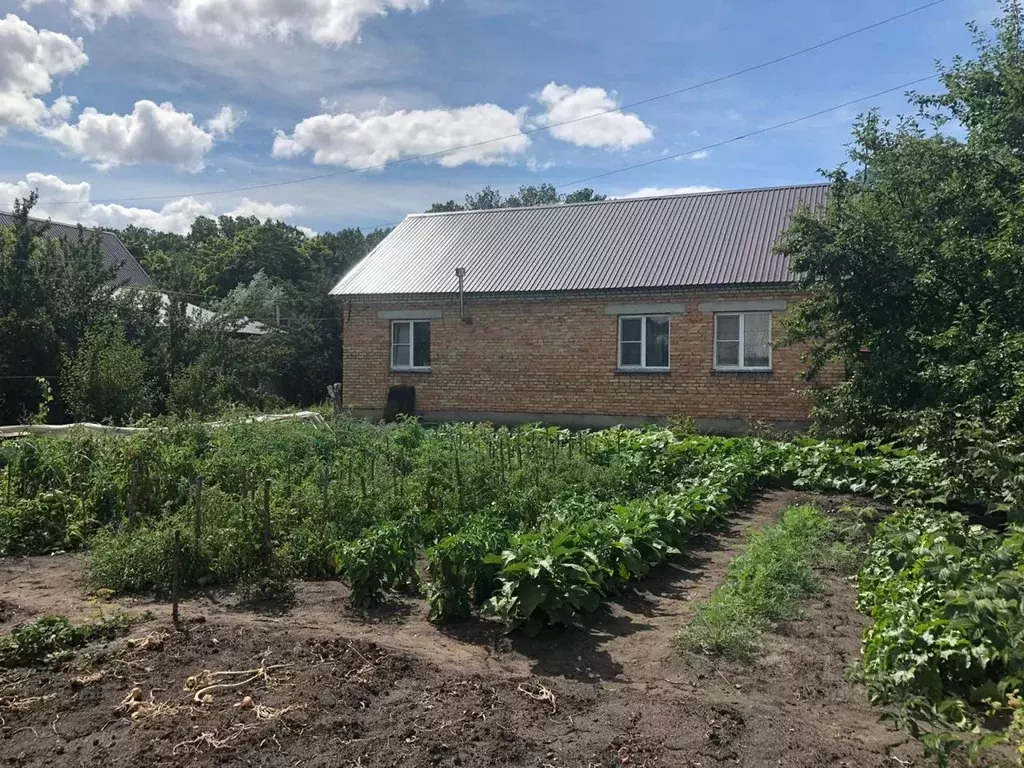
[713, 238]
[129, 271]
[201, 316]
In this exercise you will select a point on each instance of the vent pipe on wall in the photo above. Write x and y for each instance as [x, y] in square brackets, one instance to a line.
[460, 273]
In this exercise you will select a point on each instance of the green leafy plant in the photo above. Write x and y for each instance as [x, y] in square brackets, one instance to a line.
[52, 521]
[53, 639]
[947, 603]
[380, 560]
[462, 575]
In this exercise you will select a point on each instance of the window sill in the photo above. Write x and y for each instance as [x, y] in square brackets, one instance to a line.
[741, 371]
[643, 370]
[411, 370]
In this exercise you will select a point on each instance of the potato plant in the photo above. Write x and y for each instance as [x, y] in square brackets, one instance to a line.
[947, 600]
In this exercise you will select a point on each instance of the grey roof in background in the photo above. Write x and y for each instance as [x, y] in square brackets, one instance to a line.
[714, 238]
[129, 271]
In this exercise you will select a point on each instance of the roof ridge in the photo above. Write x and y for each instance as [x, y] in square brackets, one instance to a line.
[611, 200]
[111, 244]
[39, 220]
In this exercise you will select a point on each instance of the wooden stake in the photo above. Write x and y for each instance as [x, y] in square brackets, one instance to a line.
[327, 488]
[266, 522]
[458, 472]
[199, 511]
[133, 493]
[176, 578]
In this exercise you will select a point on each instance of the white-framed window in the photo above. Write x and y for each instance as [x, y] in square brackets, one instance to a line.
[410, 345]
[643, 342]
[743, 341]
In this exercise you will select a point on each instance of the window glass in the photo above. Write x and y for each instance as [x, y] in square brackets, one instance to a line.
[743, 340]
[643, 341]
[631, 354]
[727, 327]
[757, 339]
[630, 329]
[727, 353]
[657, 343]
[421, 345]
[400, 355]
[400, 333]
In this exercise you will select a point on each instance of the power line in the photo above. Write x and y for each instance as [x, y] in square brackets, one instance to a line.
[708, 147]
[531, 131]
[758, 132]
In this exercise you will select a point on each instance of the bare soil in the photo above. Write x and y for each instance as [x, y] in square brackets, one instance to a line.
[386, 688]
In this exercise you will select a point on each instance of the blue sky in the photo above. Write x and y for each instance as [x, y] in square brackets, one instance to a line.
[262, 94]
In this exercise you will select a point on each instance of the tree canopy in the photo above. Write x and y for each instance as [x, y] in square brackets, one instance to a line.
[543, 194]
[916, 269]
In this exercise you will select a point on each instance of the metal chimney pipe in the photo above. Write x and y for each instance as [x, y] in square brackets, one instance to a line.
[460, 273]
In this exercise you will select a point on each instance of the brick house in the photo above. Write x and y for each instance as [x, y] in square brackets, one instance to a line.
[591, 314]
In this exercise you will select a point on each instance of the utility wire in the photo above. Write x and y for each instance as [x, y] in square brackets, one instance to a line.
[758, 132]
[531, 131]
[705, 148]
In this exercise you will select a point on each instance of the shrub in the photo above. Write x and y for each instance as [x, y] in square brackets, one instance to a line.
[196, 389]
[51, 522]
[105, 379]
[143, 561]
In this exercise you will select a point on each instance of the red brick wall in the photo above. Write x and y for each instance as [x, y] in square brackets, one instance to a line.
[558, 355]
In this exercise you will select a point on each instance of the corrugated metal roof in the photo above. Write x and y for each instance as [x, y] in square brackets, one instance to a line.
[129, 271]
[713, 238]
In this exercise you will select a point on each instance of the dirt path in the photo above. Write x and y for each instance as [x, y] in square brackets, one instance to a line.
[389, 689]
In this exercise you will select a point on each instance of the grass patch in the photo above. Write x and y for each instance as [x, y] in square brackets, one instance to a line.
[766, 583]
[53, 639]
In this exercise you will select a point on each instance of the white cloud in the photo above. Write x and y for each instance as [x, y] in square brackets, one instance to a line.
[701, 155]
[152, 133]
[93, 13]
[242, 22]
[29, 61]
[70, 202]
[248, 207]
[226, 121]
[662, 191]
[616, 130]
[372, 138]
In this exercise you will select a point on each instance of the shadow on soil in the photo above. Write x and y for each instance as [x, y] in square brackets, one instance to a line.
[582, 655]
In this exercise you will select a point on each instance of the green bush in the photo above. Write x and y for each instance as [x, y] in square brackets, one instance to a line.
[51, 522]
[105, 379]
[197, 389]
[381, 559]
[141, 561]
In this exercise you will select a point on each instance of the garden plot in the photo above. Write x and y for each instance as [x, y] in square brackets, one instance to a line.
[344, 686]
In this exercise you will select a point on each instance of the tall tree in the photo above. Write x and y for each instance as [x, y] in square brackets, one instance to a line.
[916, 268]
[51, 292]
